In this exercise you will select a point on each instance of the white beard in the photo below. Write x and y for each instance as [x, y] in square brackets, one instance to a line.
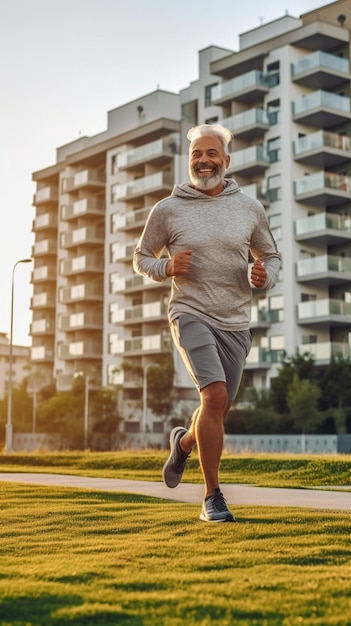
[207, 182]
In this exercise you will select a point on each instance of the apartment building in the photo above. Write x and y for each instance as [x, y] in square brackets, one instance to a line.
[285, 95]
[20, 364]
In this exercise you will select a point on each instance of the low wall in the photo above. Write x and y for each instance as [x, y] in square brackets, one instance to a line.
[309, 444]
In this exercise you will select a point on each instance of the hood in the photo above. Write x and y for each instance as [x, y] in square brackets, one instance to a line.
[187, 191]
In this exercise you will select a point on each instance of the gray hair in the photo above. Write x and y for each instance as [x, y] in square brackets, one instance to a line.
[216, 130]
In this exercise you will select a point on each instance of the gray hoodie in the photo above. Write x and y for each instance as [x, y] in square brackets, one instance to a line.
[221, 231]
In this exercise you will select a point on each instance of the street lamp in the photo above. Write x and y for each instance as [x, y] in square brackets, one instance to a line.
[9, 393]
[146, 368]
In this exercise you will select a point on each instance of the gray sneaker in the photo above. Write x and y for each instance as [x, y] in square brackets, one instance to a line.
[214, 509]
[175, 465]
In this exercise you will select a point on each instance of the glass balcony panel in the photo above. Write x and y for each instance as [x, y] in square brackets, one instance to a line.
[321, 139]
[320, 59]
[322, 221]
[249, 155]
[246, 118]
[321, 180]
[321, 99]
[145, 153]
[324, 351]
[143, 185]
[322, 264]
[238, 84]
[323, 308]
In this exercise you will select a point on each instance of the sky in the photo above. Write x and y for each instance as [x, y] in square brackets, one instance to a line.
[64, 64]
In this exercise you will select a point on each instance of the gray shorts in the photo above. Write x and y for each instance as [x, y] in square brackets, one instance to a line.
[211, 355]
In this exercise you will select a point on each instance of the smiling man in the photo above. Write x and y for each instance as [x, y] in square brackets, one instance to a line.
[209, 228]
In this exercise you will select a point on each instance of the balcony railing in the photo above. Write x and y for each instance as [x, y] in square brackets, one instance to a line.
[321, 222]
[150, 343]
[44, 273]
[85, 235]
[150, 151]
[134, 281]
[85, 206]
[42, 353]
[45, 247]
[125, 221]
[253, 160]
[93, 263]
[321, 309]
[322, 108]
[80, 350]
[84, 319]
[319, 60]
[250, 123]
[324, 351]
[322, 139]
[258, 357]
[239, 86]
[86, 178]
[141, 186]
[46, 194]
[322, 265]
[317, 186]
[45, 221]
[76, 293]
[140, 312]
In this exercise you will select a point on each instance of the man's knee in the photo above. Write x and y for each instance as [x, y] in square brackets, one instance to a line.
[215, 398]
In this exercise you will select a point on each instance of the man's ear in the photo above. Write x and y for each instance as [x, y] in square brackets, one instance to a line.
[227, 161]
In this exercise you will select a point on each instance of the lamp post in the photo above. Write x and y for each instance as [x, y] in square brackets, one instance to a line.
[9, 393]
[146, 368]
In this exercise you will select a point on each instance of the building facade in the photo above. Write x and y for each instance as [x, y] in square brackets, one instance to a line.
[285, 95]
[20, 364]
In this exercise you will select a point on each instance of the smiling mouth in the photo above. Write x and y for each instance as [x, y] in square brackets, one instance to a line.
[205, 171]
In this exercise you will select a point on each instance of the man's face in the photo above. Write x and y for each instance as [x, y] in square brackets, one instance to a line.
[207, 164]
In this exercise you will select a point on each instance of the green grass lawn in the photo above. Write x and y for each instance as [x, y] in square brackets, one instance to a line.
[72, 557]
[280, 470]
[78, 557]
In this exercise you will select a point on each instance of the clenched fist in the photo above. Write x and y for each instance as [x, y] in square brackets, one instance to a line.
[179, 263]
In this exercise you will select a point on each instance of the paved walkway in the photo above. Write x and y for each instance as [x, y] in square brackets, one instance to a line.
[246, 495]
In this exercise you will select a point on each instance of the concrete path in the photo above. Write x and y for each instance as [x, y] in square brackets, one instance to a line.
[235, 494]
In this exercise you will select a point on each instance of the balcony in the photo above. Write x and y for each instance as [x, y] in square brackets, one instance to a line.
[88, 179]
[324, 229]
[322, 109]
[80, 350]
[45, 273]
[321, 70]
[250, 162]
[123, 252]
[46, 247]
[88, 235]
[47, 221]
[42, 354]
[129, 284]
[44, 300]
[85, 292]
[152, 311]
[88, 320]
[42, 327]
[46, 195]
[157, 152]
[92, 264]
[260, 318]
[332, 270]
[249, 125]
[323, 149]
[324, 312]
[324, 351]
[323, 188]
[249, 88]
[85, 207]
[258, 358]
[160, 183]
[129, 221]
[138, 346]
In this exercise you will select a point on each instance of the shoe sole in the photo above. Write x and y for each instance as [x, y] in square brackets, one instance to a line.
[170, 455]
[203, 518]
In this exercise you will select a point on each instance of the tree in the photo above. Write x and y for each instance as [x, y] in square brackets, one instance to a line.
[106, 418]
[302, 401]
[300, 364]
[160, 397]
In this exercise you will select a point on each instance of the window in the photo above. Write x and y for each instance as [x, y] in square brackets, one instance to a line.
[274, 191]
[276, 308]
[275, 224]
[273, 74]
[211, 120]
[208, 94]
[274, 149]
[273, 112]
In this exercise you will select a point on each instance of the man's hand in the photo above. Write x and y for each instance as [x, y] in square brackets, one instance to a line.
[179, 263]
[258, 274]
